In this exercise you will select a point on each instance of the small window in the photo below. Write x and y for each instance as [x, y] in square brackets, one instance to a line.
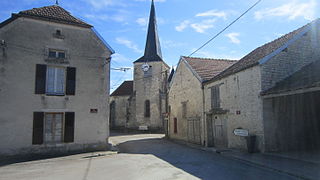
[215, 97]
[55, 81]
[184, 109]
[57, 54]
[175, 125]
[147, 108]
[58, 32]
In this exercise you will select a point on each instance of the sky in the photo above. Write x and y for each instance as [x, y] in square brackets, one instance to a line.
[183, 25]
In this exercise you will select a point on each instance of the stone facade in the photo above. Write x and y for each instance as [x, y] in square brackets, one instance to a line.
[186, 92]
[239, 98]
[241, 103]
[27, 43]
[150, 85]
[119, 109]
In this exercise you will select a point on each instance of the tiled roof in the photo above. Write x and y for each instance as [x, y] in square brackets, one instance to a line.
[125, 89]
[256, 55]
[307, 77]
[53, 13]
[208, 68]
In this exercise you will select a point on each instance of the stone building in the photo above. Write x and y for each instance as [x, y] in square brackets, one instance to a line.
[149, 98]
[120, 105]
[186, 97]
[263, 94]
[54, 83]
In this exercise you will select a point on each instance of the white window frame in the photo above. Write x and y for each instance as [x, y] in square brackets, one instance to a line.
[53, 130]
[57, 53]
[57, 88]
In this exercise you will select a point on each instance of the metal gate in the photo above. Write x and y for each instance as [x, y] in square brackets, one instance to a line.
[194, 129]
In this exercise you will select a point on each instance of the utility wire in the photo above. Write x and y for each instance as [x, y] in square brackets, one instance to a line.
[226, 27]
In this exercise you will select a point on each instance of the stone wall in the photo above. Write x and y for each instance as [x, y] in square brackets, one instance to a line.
[27, 43]
[149, 87]
[298, 54]
[121, 116]
[240, 97]
[185, 88]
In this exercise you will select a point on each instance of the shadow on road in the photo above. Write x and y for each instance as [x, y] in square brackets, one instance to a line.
[201, 164]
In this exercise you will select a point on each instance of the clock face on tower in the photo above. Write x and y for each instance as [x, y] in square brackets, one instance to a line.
[145, 67]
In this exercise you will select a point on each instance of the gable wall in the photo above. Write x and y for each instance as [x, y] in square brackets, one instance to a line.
[185, 87]
[302, 52]
[239, 92]
[27, 44]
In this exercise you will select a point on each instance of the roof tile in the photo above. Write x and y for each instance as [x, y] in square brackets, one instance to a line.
[208, 68]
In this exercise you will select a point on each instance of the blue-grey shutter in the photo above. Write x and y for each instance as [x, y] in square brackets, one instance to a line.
[41, 72]
[71, 81]
[37, 134]
[69, 127]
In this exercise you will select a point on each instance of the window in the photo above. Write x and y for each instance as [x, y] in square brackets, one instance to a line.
[52, 128]
[55, 81]
[147, 108]
[175, 125]
[57, 54]
[184, 109]
[215, 97]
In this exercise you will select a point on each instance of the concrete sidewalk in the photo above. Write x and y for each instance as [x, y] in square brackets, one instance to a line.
[303, 166]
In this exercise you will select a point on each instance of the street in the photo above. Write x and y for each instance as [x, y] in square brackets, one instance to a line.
[141, 156]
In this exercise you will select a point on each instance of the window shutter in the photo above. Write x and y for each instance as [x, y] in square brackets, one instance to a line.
[212, 97]
[41, 72]
[218, 96]
[71, 81]
[37, 135]
[69, 127]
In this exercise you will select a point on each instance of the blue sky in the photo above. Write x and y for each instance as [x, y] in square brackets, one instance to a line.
[183, 25]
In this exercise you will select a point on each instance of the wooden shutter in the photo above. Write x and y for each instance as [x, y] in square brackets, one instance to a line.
[41, 72]
[147, 108]
[37, 135]
[71, 81]
[69, 127]
[215, 97]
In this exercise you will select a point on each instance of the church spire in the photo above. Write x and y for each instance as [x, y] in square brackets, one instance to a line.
[152, 50]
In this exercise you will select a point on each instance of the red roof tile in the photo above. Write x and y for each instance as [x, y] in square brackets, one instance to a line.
[208, 68]
[53, 13]
[256, 55]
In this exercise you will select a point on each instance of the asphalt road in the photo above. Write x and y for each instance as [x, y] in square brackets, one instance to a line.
[145, 157]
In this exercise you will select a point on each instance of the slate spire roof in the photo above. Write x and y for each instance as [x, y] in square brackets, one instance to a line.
[152, 50]
[53, 13]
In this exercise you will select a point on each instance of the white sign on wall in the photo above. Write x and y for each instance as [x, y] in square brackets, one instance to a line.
[241, 132]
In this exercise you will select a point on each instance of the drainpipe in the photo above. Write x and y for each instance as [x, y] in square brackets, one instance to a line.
[204, 127]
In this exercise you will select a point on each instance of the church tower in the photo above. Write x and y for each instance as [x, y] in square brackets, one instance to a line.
[150, 82]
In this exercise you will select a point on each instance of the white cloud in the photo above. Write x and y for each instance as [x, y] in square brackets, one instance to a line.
[183, 25]
[129, 44]
[291, 10]
[213, 13]
[203, 26]
[98, 4]
[171, 44]
[234, 37]
[142, 21]
[119, 58]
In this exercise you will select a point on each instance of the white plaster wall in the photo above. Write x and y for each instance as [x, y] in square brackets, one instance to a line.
[27, 41]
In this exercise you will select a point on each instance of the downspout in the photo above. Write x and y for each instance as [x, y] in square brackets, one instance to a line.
[204, 127]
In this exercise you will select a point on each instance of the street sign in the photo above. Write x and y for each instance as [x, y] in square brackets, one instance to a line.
[241, 132]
